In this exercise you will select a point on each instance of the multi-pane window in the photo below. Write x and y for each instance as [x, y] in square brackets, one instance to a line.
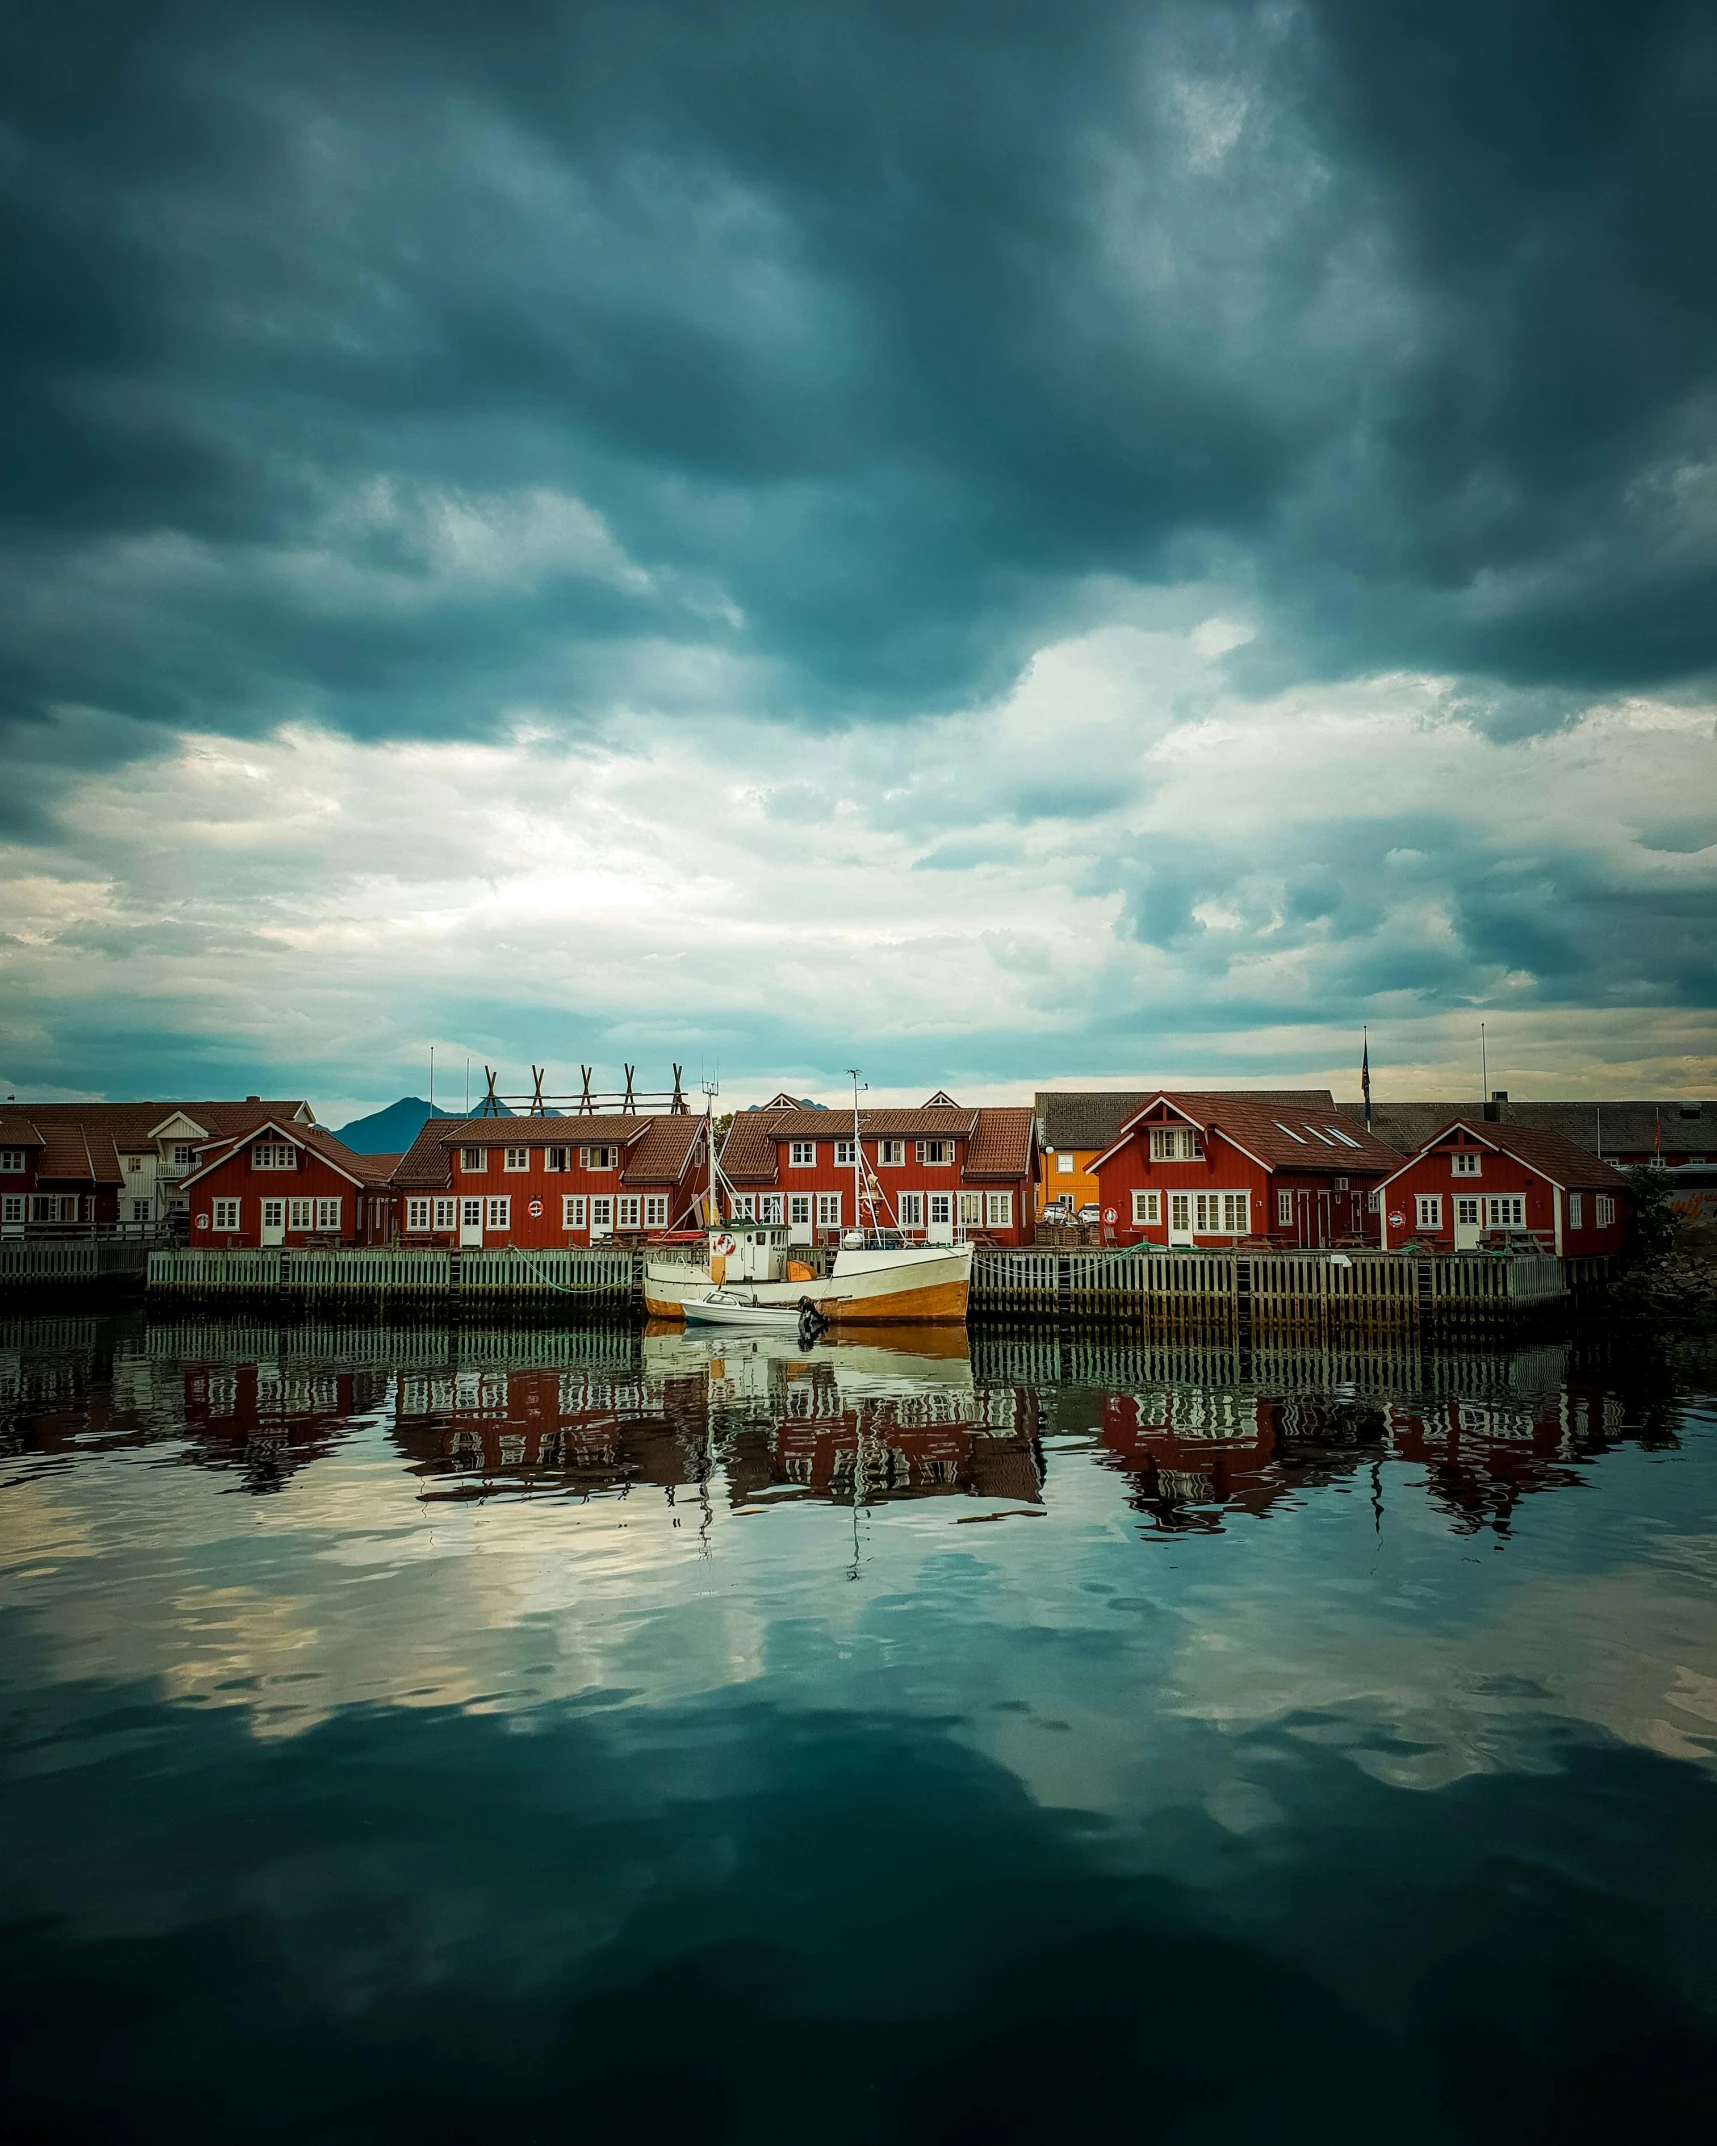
[799, 1208]
[598, 1158]
[1222, 1214]
[846, 1154]
[134, 1165]
[12, 1207]
[628, 1210]
[769, 1207]
[274, 1155]
[517, 1159]
[573, 1210]
[941, 1208]
[745, 1207]
[555, 1158]
[1575, 1210]
[999, 1210]
[473, 1160]
[828, 1210]
[912, 1210]
[56, 1207]
[1175, 1143]
[655, 1210]
[1605, 1208]
[446, 1213]
[1284, 1208]
[11, 1159]
[1464, 1162]
[140, 1210]
[602, 1213]
[183, 1157]
[328, 1214]
[1147, 1207]
[1466, 1213]
[498, 1211]
[971, 1209]
[417, 1214]
[1064, 1162]
[1428, 1211]
[891, 1153]
[801, 1154]
[1506, 1210]
[937, 1153]
[299, 1213]
[225, 1214]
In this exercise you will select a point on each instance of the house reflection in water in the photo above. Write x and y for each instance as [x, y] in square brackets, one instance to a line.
[867, 1421]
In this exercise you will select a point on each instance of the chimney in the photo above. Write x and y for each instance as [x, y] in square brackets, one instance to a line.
[1493, 1109]
[253, 1098]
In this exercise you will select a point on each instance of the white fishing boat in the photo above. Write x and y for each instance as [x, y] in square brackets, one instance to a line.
[876, 1279]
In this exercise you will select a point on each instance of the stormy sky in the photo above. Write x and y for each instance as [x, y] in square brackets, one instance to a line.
[1003, 543]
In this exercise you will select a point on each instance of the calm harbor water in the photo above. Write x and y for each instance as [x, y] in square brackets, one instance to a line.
[544, 1735]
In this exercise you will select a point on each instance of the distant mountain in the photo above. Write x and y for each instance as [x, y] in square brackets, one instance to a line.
[390, 1131]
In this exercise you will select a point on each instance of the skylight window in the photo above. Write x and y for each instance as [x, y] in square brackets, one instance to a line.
[1347, 1140]
[1289, 1130]
[1316, 1135]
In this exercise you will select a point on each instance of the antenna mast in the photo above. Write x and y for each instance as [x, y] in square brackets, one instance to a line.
[711, 1089]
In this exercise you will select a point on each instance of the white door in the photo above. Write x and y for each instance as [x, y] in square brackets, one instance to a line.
[1468, 1228]
[1180, 1218]
[798, 1218]
[274, 1222]
[941, 1225]
[471, 1222]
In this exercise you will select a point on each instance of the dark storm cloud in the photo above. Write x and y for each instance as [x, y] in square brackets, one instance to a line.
[867, 334]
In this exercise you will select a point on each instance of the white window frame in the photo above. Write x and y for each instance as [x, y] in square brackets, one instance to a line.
[891, 1154]
[447, 1212]
[12, 1207]
[555, 1159]
[273, 1155]
[1064, 1162]
[1469, 1211]
[1176, 1143]
[998, 1210]
[799, 1209]
[1466, 1162]
[1284, 1207]
[911, 1206]
[935, 1154]
[601, 1211]
[1604, 1211]
[846, 1154]
[1147, 1207]
[771, 1207]
[828, 1210]
[655, 1210]
[801, 1154]
[1225, 1212]
[224, 1214]
[515, 1159]
[629, 1211]
[329, 1213]
[12, 1161]
[1428, 1210]
[939, 1207]
[300, 1212]
[474, 1161]
[971, 1210]
[1576, 1210]
[745, 1207]
[141, 1210]
[498, 1211]
[1505, 1210]
[183, 1157]
[417, 1213]
[574, 1211]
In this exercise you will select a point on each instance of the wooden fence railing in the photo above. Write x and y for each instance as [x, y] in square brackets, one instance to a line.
[28, 1261]
[597, 1279]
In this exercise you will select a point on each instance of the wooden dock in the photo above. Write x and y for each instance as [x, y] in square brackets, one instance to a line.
[584, 1282]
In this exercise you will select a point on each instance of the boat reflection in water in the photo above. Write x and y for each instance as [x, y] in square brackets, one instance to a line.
[896, 1415]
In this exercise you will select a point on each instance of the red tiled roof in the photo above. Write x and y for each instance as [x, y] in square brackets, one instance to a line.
[76, 1154]
[368, 1170]
[19, 1133]
[1565, 1162]
[132, 1125]
[1278, 1137]
[751, 1142]
[1000, 1145]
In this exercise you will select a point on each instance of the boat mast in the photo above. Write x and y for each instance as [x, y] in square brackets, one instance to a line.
[711, 1089]
[858, 1160]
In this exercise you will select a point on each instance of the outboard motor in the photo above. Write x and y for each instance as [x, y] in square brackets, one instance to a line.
[811, 1322]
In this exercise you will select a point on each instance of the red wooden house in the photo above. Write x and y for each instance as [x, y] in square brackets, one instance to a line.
[283, 1182]
[940, 1174]
[1214, 1169]
[56, 1176]
[1476, 1180]
[542, 1182]
[21, 1146]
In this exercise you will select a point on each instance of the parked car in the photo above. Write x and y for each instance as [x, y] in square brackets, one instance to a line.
[1090, 1212]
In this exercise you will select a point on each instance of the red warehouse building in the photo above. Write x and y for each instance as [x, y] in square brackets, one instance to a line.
[1476, 1180]
[542, 1182]
[56, 1177]
[1216, 1169]
[283, 1182]
[940, 1174]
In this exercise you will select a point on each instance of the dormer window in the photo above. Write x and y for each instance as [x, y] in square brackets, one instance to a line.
[274, 1155]
[598, 1158]
[1464, 1162]
[12, 1160]
[1175, 1143]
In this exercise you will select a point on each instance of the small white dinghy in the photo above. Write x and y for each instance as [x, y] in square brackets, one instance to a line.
[720, 1307]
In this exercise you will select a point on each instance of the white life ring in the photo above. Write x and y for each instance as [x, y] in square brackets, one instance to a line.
[723, 1245]
[1108, 1214]
[202, 1222]
[536, 1209]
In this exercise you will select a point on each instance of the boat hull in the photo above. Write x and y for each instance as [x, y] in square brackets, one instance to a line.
[926, 1289]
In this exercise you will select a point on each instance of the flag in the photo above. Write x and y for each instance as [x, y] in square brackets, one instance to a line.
[1365, 1079]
